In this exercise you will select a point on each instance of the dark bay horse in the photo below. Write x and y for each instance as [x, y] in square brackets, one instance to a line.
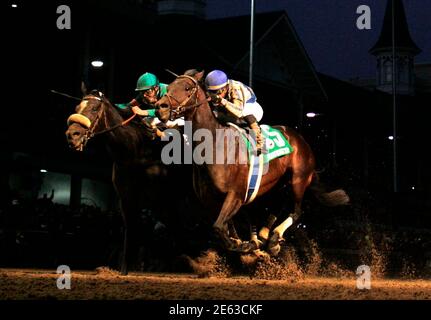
[228, 181]
[131, 151]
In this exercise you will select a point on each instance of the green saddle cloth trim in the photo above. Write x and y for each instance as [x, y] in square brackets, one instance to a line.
[276, 144]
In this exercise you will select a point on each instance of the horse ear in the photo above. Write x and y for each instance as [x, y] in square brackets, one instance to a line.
[83, 89]
[200, 75]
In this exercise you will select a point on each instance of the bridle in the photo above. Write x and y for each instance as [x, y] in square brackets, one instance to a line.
[182, 107]
[92, 125]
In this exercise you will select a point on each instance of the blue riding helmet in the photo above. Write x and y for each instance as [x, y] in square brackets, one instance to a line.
[215, 80]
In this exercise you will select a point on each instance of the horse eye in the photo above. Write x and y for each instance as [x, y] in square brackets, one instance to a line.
[94, 109]
[187, 88]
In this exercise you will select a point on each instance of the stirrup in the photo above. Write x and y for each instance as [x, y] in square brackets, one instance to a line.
[259, 150]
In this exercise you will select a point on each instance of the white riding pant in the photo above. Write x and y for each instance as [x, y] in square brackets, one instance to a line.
[253, 108]
[170, 124]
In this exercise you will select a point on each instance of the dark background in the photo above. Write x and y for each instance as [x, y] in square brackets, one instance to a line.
[328, 30]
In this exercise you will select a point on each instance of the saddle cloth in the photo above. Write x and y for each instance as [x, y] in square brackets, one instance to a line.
[276, 145]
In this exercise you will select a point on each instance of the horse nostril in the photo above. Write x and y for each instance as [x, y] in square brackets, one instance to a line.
[164, 105]
[76, 134]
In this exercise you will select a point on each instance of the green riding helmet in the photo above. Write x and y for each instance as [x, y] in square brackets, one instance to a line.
[146, 81]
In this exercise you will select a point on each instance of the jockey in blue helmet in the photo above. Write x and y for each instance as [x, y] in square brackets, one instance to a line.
[236, 98]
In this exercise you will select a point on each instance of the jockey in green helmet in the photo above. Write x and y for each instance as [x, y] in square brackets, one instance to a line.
[150, 90]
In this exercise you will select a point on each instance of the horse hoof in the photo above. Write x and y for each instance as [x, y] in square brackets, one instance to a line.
[260, 254]
[274, 250]
[246, 247]
[237, 242]
[257, 242]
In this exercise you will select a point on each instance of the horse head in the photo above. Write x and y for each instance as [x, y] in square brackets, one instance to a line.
[86, 121]
[184, 95]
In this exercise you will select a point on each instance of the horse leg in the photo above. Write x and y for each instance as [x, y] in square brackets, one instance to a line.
[131, 237]
[231, 205]
[264, 231]
[233, 235]
[299, 185]
[253, 237]
[126, 189]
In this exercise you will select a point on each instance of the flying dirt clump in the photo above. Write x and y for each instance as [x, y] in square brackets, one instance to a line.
[105, 271]
[288, 266]
[314, 259]
[285, 267]
[317, 265]
[209, 264]
[332, 269]
[375, 252]
[408, 270]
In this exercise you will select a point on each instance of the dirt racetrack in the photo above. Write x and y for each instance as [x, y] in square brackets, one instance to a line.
[41, 284]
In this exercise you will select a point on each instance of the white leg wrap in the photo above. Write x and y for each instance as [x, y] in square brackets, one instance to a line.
[281, 229]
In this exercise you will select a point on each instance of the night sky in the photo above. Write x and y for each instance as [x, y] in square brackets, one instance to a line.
[328, 30]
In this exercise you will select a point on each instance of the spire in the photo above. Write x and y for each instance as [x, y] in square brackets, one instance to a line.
[403, 40]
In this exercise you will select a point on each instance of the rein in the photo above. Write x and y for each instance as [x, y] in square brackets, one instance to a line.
[123, 123]
[85, 121]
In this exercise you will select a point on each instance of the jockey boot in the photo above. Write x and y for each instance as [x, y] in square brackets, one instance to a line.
[259, 138]
[252, 122]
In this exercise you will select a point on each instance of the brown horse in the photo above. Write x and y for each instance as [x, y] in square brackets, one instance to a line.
[228, 181]
[134, 174]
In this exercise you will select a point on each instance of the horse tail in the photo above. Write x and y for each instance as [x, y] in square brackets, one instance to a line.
[331, 199]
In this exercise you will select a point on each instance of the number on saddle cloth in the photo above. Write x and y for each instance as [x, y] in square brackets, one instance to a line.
[276, 144]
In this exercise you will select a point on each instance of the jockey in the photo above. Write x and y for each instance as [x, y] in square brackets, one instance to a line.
[236, 98]
[150, 90]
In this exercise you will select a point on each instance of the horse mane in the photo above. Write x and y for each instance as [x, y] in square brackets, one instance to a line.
[192, 73]
[221, 120]
[96, 93]
[124, 113]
